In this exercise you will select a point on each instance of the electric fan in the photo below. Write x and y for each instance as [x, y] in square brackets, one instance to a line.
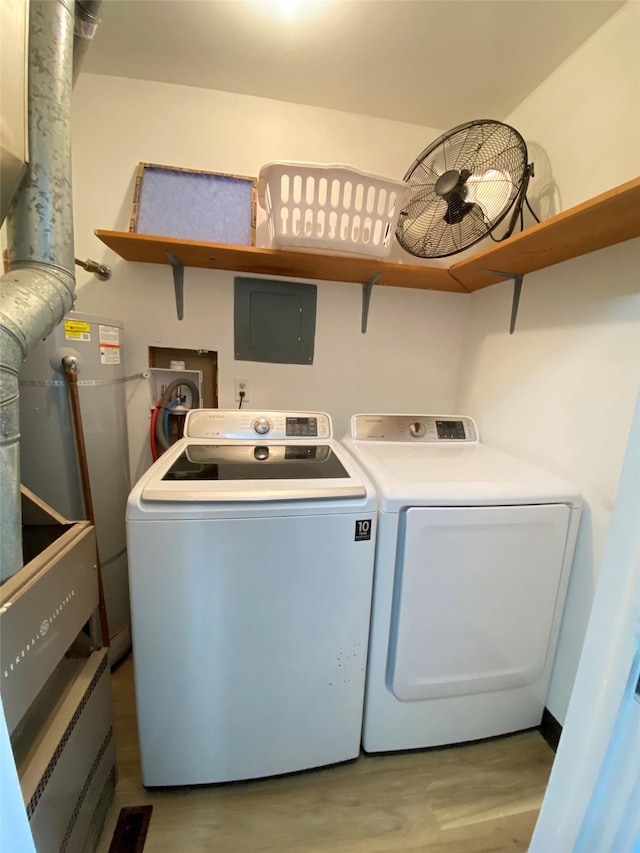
[463, 185]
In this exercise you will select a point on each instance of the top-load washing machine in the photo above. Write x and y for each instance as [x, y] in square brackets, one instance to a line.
[251, 548]
[473, 555]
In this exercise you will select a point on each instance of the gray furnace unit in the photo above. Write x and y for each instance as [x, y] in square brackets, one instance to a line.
[48, 456]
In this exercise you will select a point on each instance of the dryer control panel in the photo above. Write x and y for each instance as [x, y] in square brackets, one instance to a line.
[244, 424]
[411, 428]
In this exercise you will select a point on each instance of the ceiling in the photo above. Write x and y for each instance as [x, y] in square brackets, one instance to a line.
[436, 63]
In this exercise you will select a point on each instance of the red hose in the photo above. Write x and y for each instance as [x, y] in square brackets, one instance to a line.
[152, 431]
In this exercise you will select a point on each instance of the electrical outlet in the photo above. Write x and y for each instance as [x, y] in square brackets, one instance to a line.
[242, 385]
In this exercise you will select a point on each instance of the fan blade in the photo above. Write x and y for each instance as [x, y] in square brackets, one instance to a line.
[492, 190]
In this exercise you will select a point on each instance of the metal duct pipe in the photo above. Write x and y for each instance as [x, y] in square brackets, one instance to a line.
[87, 20]
[39, 288]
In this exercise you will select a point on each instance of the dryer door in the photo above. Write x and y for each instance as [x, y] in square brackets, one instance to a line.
[474, 598]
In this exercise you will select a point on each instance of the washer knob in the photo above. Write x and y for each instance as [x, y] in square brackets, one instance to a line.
[417, 429]
[262, 425]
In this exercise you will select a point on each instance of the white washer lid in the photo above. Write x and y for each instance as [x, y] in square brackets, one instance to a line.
[406, 474]
[154, 489]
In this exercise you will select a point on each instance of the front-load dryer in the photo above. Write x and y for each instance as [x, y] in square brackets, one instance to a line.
[473, 555]
[251, 548]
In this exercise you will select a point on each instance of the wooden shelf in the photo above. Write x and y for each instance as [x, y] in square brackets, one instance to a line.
[605, 220]
[249, 259]
[610, 218]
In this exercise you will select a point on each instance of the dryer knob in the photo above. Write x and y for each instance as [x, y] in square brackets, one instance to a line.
[417, 429]
[262, 425]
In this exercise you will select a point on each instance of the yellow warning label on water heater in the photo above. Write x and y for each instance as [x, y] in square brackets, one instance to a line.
[76, 330]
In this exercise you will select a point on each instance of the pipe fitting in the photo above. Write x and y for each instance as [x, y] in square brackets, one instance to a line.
[101, 271]
[70, 364]
[87, 18]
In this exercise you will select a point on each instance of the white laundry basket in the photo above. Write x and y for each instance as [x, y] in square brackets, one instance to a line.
[330, 207]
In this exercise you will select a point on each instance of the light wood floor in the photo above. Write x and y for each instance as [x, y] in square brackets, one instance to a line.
[466, 799]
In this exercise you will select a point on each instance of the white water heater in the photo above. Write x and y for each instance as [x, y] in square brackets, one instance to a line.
[48, 455]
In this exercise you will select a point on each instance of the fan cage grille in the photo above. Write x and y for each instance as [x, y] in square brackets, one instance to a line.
[495, 157]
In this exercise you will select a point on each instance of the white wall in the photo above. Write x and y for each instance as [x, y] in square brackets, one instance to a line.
[561, 390]
[582, 125]
[399, 364]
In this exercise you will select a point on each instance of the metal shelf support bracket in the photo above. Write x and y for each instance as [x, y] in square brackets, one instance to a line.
[517, 290]
[367, 287]
[178, 282]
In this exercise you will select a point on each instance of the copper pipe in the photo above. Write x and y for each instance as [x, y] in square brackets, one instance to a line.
[70, 365]
[102, 271]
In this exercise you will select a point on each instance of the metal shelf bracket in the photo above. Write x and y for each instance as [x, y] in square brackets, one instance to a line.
[367, 287]
[517, 290]
[178, 282]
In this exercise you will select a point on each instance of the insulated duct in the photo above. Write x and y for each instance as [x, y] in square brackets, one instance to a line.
[39, 288]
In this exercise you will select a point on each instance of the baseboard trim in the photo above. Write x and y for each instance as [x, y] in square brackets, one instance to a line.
[550, 729]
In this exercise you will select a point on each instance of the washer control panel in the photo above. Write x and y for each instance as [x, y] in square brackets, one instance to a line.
[411, 428]
[248, 425]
